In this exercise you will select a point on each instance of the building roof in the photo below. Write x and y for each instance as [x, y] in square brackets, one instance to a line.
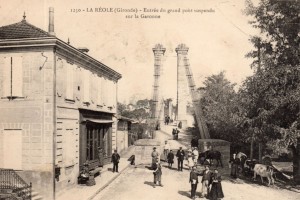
[22, 30]
[23, 33]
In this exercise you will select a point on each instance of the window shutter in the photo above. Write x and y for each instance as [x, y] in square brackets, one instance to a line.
[7, 77]
[17, 76]
[86, 83]
[99, 91]
[104, 91]
[70, 82]
[110, 93]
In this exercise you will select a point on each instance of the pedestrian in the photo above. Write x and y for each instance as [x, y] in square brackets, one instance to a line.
[155, 156]
[176, 133]
[235, 162]
[195, 155]
[115, 159]
[166, 150]
[216, 191]
[170, 158]
[180, 157]
[100, 156]
[157, 173]
[206, 181]
[180, 125]
[194, 182]
[190, 159]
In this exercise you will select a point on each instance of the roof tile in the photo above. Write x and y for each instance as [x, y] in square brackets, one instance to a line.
[22, 29]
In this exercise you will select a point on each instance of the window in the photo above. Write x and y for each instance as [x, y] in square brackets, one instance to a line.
[13, 77]
[99, 91]
[70, 82]
[86, 86]
[104, 91]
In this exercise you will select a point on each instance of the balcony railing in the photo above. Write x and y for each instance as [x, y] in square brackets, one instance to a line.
[9, 179]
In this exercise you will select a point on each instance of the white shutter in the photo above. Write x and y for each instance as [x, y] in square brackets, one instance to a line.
[17, 76]
[70, 82]
[114, 94]
[7, 77]
[86, 86]
[110, 93]
[104, 91]
[12, 148]
[99, 91]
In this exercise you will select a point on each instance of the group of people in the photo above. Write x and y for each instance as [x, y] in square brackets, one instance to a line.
[192, 157]
[175, 133]
[211, 183]
[167, 120]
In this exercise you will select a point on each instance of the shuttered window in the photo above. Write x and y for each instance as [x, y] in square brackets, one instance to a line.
[13, 77]
[99, 90]
[86, 86]
[70, 82]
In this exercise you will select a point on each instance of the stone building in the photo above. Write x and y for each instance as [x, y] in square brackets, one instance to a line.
[123, 133]
[57, 106]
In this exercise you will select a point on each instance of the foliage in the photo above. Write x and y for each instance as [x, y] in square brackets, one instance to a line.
[220, 109]
[271, 96]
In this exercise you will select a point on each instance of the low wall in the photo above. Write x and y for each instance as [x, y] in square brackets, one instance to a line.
[143, 150]
[216, 145]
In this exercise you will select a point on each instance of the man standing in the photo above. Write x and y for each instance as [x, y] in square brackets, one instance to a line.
[154, 156]
[206, 181]
[115, 158]
[170, 158]
[180, 157]
[235, 162]
[194, 182]
[157, 174]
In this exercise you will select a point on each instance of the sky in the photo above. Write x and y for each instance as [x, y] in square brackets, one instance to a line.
[217, 40]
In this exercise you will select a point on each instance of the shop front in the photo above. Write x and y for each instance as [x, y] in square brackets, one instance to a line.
[95, 132]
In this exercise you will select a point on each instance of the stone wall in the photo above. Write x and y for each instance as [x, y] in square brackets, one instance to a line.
[143, 150]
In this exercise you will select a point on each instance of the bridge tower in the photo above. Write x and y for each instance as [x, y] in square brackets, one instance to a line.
[157, 99]
[182, 85]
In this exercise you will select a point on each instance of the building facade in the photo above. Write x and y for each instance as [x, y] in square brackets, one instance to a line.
[57, 107]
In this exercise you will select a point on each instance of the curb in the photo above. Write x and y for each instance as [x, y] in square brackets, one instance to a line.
[108, 183]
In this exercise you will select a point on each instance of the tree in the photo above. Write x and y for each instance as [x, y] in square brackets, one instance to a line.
[220, 109]
[271, 96]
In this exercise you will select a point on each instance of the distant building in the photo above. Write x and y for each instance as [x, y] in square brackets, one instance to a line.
[57, 106]
[123, 130]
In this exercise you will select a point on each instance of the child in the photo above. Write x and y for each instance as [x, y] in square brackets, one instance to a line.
[170, 158]
[216, 191]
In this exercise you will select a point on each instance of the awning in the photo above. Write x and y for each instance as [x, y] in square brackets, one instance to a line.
[98, 121]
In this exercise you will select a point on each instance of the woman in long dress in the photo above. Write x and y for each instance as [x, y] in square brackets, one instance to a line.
[216, 191]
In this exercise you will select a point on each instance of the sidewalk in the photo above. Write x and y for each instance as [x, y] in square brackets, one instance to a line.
[82, 192]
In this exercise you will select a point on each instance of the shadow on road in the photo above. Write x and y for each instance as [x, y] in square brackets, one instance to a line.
[149, 183]
[173, 168]
[184, 193]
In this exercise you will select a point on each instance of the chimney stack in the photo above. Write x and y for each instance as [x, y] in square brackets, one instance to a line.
[51, 21]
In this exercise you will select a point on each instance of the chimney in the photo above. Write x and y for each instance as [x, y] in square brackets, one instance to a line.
[83, 49]
[51, 21]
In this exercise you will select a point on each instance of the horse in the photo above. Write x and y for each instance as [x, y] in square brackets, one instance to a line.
[242, 157]
[211, 155]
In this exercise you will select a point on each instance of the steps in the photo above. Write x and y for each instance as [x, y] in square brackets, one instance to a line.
[36, 195]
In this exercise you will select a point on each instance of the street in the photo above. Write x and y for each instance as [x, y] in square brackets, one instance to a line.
[137, 183]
